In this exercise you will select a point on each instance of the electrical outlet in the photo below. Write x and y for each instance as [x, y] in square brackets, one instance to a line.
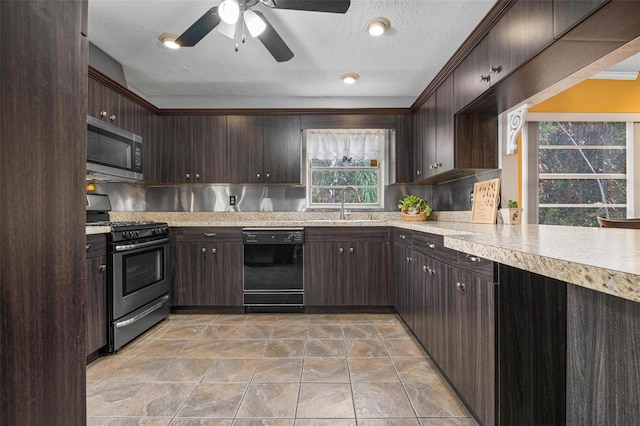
[471, 198]
[232, 200]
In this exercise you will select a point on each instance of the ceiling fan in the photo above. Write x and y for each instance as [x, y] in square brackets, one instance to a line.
[231, 18]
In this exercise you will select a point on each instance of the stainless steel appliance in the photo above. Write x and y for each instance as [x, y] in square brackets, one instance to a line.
[139, 277]
[273, 269]
[113, 154]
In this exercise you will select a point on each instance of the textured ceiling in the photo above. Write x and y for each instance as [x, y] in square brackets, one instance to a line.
[394, 68]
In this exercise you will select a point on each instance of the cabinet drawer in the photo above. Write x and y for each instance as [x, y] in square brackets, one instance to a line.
[343, 233]
[96, 245]
[403, 237]
[433, 246]
[475, 264]
[213, 235]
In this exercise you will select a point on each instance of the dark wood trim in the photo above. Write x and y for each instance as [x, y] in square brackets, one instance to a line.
[121, 90]
[469, 44]
[350, 310]
[207, 310]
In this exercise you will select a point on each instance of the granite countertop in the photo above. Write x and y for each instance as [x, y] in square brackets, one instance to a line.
[602, 259]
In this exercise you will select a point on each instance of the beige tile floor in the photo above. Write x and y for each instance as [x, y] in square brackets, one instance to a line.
[272, 369]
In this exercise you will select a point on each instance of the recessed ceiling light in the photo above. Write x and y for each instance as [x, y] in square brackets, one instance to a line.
[349, 78]
[377, 26]
[169, 40]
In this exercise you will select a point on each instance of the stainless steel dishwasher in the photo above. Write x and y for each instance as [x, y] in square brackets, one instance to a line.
[273, 269]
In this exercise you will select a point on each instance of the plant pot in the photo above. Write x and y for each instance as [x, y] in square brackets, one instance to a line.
[420, 217]
[511, 216]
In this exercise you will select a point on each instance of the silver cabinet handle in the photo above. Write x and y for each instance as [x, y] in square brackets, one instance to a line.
[268, 175]
[495, 69]
[102, 268]
[351, 250]
[402, 237]
[485, 78]
[187, 175]
[203, 250]
[103, 113]
[112, 117]
[259, 175]
[212, 234]
[197, 175]
[418, 172]
[424, 269]
[408, 259]
[473, 258]
[87, 247]
[460, 286]
[431, 246]
[214, 251]
[341, 250]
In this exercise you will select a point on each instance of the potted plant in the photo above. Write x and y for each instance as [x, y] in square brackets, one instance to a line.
[512, 214]
[414, 208]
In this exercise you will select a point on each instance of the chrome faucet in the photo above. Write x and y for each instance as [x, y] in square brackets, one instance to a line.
[344, 192]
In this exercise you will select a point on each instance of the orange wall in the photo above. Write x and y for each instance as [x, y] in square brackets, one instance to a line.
[595, 96]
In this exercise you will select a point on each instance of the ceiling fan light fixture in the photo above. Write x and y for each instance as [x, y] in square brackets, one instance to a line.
[229, 11]
[349, 78]
[169, 40]
[377, 26]
[255, 24]
[227, 30]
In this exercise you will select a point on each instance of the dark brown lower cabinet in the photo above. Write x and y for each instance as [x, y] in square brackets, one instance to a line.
[95, 271]
[603, 359]
[208, 267]
[346, 267]
[451, 311]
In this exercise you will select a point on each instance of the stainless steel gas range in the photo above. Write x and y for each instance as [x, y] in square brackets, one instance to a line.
[139, 273]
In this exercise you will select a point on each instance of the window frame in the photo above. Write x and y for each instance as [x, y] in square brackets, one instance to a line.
[383, 178]
[530, 196]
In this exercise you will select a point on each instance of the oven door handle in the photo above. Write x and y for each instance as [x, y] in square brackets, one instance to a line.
[144, 313]
[126, 247]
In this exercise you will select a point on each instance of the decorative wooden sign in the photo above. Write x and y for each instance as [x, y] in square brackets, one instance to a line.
[485, 201]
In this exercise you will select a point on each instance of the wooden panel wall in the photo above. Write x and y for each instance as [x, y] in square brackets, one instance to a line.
[43, 64]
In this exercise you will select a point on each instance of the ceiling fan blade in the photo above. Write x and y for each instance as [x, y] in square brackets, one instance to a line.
[333, 6]
[200, 28]
[273, 42]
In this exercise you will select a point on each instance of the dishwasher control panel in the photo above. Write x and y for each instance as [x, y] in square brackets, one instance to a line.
[273, 236]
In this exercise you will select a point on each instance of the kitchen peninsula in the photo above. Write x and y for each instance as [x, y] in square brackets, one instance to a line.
[532, 319]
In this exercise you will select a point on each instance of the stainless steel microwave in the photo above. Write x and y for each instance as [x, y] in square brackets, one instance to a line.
[113, 154]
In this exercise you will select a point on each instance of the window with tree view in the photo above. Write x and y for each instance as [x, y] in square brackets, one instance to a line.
[581, 172]
[345, 162]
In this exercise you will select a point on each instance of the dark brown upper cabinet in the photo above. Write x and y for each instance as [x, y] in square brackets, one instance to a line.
[568, 12]
[191, 149]
[109, 106]
[434, 134]
[263, 149]
[523, 31]
[404, 149]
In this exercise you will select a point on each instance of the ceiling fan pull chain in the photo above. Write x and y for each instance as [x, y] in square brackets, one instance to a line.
[243, 6]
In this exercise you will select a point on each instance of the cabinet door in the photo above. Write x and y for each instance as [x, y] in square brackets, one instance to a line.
[419, 142]
[444, 308]
[430, 142]
[226, 261]
[402, 261]
[404, 149]
[469, 83]
[282, 149]
[192, 270]
[96, 302]
[175, 150]
[532, 21]
[367, 280]
[245, 136]
[95, 98]
[568, 12]
[445, 114]
[325, 266]
[209, 162]
[476, 344]
[421, 296]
